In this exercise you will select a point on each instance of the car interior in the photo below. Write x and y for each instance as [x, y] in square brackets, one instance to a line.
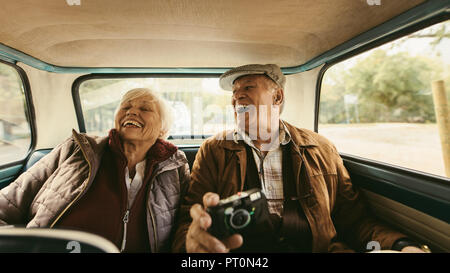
[71, 61]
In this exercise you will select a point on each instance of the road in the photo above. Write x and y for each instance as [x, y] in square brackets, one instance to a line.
[415, 146]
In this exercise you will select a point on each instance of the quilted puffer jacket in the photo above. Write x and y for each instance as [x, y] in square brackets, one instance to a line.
[41, 195]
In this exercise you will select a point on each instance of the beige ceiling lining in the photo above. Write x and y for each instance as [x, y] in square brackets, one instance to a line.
[43, 34]
[91, 50]
[212, 33]
[80, 47]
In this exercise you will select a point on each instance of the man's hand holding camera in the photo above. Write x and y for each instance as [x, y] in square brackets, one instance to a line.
[198, 239]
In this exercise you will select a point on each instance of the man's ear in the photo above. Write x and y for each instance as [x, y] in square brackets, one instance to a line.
[278, 96]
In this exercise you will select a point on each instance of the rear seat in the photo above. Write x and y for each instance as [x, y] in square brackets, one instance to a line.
[38, 154]
[190, 153]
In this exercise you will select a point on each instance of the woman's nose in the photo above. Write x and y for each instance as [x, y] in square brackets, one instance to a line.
[131, 111]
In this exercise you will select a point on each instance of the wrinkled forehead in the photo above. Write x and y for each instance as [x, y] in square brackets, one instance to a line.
[148, 101]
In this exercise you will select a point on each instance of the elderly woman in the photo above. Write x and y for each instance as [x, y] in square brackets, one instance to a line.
[125, 187]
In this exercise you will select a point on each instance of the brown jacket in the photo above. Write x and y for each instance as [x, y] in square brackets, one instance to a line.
[42, 195]
[334, 209]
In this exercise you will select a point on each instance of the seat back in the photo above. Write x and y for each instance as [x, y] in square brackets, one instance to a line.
[35, 157]
[190, 152]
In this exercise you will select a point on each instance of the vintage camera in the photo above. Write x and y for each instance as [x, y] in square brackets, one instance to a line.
[239, 213]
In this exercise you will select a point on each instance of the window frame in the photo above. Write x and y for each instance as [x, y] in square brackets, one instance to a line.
[428, 177]
[79, 110]
[30, 114]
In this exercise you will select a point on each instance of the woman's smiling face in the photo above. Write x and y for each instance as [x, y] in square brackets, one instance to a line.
[139, 119]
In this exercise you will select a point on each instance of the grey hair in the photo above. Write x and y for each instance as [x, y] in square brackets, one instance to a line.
[165, 111]
[274, 86]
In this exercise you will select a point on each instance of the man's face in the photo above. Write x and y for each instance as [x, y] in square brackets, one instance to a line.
[252, 89]
[261, 93]
[138, 120]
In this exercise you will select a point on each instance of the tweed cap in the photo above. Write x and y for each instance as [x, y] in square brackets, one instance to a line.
[273, 71]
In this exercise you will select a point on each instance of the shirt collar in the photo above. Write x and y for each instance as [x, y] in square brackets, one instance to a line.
[285, 136]
[140, 171]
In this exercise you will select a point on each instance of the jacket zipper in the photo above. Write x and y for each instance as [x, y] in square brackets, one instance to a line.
[125, 223]
[82, 190]
[153, 219]
[125, 220]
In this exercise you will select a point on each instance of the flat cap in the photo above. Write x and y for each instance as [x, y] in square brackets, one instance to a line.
[272, 71]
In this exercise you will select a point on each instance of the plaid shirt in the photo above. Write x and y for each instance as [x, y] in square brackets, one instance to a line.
[271, 176]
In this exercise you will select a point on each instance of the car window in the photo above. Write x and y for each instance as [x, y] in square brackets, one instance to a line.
[15, 130]
[390, 104]
[200, 107]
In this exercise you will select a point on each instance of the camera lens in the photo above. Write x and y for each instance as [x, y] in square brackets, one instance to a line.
[240, 219]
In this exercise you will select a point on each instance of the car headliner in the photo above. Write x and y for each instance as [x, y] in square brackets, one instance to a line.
[187, 33]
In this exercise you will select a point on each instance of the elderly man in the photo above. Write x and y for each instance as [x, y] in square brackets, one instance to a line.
[311, 202]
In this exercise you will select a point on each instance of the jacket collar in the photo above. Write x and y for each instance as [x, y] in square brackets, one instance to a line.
[96, 143]
[302, 137]
[160, 151]
[93, 146]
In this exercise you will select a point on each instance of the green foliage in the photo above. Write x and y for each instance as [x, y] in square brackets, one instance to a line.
[389, 87]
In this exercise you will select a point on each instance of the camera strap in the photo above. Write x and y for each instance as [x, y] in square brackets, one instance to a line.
[268, 225]
[295, 228]
[251, 177]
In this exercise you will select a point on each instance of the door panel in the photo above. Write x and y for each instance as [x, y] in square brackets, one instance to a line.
[426, 193]
[7, 175]
[434, 232]
[415, 203]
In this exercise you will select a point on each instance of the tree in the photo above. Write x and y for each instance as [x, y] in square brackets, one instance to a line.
[437, 33]
[390, 88]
